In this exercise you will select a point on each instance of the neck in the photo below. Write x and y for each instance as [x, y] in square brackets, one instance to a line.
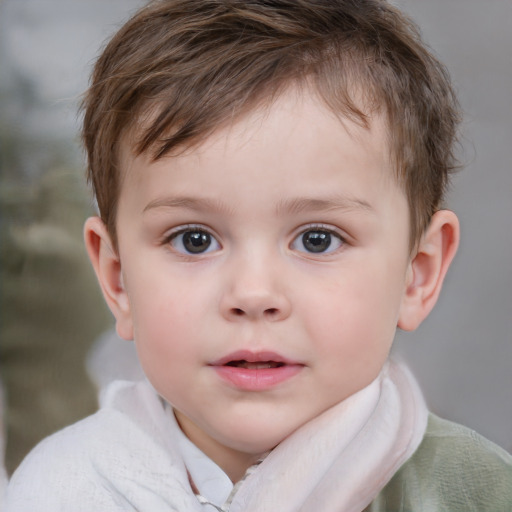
[233, 462]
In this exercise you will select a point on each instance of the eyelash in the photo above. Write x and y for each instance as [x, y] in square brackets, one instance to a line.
[326, 230]
[327, 233]
[171, 238]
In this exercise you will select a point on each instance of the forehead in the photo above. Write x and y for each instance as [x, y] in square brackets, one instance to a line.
[301, 119]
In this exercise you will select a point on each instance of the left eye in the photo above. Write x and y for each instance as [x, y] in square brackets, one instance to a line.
[317, 241]
[194, 241]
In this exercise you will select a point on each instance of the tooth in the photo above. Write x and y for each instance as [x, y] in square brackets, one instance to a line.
[262, 365]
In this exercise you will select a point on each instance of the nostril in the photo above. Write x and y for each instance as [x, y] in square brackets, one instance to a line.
[254, 312]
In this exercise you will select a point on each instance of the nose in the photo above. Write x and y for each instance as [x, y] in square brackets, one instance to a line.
[255, 291]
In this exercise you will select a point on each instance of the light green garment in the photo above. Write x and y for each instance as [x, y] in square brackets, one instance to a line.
[453, 470]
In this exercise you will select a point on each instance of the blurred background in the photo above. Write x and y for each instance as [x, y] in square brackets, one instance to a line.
[51, 309]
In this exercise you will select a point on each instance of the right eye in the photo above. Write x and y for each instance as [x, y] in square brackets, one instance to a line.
[193, 241]
[318, 240]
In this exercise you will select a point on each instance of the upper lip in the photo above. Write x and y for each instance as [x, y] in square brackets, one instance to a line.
[253, 357]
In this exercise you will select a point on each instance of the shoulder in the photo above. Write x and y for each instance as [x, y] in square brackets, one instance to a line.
[91, 464]
[461, 450]
[453, 469]
[60, 471]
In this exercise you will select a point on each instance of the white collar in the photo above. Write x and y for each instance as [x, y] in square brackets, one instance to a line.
[209, 479]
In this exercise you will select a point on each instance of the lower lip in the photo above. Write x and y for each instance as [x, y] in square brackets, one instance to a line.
[259, 379]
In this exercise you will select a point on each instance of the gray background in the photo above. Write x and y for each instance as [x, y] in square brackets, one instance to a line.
[462, 354]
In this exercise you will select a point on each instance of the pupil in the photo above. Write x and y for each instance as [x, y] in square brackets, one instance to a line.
[196, 241]
[316, 241]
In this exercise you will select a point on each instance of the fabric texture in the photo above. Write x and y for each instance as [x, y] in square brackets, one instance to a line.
[126, 458]
[454, 470]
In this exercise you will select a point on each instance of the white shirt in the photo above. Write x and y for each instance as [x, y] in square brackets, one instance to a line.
[209, 479]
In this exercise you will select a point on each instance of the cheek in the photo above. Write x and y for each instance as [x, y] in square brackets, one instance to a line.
[166, 350]
[171, 313]
[354, 317]
[160, 299]
[160, 317]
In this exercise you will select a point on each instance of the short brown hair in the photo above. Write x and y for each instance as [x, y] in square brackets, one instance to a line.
[196, 64]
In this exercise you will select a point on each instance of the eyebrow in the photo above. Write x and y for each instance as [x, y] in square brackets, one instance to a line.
[189, 203]
[308, 204]
[291, 206]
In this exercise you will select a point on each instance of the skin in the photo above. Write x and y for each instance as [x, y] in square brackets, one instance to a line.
[252, 190]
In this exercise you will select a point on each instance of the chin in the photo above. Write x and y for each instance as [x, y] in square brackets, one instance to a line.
[254, 439]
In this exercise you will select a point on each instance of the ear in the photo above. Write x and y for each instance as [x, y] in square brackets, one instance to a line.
[428, 268]
[107, 265]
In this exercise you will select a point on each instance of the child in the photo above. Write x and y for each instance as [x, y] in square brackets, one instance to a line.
[270, 177]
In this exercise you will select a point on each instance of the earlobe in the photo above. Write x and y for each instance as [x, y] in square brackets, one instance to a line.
[107, 266]
[428, 268]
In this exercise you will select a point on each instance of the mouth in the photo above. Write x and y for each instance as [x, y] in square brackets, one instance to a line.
[254, 360]
[260, 371]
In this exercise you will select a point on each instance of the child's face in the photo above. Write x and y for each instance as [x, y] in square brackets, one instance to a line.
[264, 271]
